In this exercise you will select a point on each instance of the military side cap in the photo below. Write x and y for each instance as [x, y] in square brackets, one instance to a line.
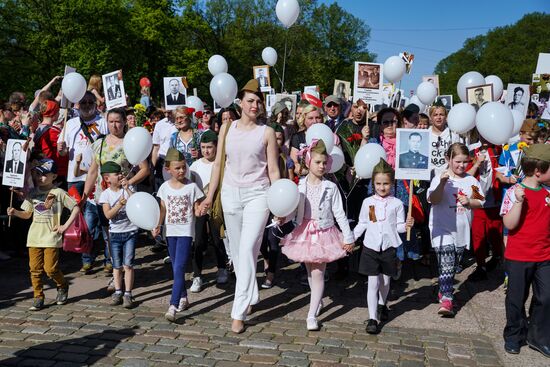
[174, 155]
[538, 151]
[110, 167]
[252, 86]
[277, 108]
[209, 137]
[382, 167]
[278, 128]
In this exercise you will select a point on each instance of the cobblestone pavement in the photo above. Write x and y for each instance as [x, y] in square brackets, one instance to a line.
[88, 331]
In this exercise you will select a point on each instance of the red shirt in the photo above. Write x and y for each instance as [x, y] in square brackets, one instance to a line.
[530, 241]
[48, 146]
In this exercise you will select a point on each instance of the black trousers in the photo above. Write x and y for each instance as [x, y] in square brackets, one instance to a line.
[201, 243]
[536, 328]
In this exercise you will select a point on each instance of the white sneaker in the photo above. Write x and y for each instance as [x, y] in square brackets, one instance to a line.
[223, 276]
[196, 287]
[170, 315]
[319, 309]
[167, 260]
[312, 324]
[184, 304]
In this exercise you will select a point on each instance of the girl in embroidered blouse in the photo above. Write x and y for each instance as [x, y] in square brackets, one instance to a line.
[316, 241]
[382, 216]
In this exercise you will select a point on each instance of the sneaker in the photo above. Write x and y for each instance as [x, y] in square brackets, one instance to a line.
[196, 287]
[111, 285]
[108, 269]
[267, 284]
[37, 304]
[85, 269]
[446, 308]
[183, 305]
[372, 326]
[127, 301]
[62, 295]
[383, 312]
[116, 299]
[170, 315]
[312, 324]
[158, 247]
[319, 309]
[167, 260]
[223, 276]
[479, 274]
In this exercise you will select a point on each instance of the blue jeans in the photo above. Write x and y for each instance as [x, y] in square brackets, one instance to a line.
[179, 249]
[409, 249]
[92, 218]
[123, 248]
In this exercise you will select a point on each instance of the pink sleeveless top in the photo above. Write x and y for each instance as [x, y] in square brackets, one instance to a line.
[246, 163]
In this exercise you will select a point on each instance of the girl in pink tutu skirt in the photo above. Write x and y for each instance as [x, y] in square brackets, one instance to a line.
[316, 241]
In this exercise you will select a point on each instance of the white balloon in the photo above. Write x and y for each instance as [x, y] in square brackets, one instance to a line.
[321, 132]
[367, 157]
[470, 79]
[137, 145]
[195, 102]
[287, 12]
[498, 87]
[338, 159]
[519, 117]
[415, 100]
[74, 87]
[394, 69]
[223, 88]
[426, 92]
[217, 64]
[462, 118]
[495, 122]
[269, 55]
[143, 210]
[283, 197]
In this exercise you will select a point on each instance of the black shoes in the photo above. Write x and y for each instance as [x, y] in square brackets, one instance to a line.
[511, 348]
[543, 349]
[478, 275]
[383, 313]
[372, 327]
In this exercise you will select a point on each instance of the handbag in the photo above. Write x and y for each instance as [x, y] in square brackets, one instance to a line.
[417, 211]
[216, 214]
[77, 237]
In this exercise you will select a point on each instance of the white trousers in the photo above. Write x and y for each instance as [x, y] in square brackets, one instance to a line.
[245, 212]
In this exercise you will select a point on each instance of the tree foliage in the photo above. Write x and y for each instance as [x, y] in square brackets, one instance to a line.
[510, 52]
[157, 38]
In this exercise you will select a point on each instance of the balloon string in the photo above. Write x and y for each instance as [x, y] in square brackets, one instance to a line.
[278, 76]
[284, 62]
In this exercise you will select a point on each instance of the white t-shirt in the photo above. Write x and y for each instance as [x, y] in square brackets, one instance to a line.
[439, 144]
[77, 142]
[201, 172]
[120, 222]
[161, 135]
[450, 222]
[180, 215]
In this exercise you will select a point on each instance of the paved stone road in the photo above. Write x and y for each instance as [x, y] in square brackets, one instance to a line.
[89, 332]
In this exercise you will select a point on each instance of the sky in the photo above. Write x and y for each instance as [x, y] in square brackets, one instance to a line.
[432, 30]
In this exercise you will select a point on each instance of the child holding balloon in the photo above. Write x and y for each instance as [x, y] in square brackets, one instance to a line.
[179, 204]
[383, 217]
[316, 241]
[453, 195]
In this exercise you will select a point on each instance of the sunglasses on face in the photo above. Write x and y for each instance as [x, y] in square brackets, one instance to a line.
[332, 104]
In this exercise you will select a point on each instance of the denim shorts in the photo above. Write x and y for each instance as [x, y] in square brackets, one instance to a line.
[123, 248]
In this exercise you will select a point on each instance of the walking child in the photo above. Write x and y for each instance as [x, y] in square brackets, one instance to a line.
[122, 233]
[45, 204]
[316, 241]
[179, 204]
[526, 214]
[382, 216]
[453, 195]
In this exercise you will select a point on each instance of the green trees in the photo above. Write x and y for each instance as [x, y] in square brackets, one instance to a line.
[510, 52]
[156, 38]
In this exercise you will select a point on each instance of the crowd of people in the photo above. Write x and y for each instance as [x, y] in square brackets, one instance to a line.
[211, 172]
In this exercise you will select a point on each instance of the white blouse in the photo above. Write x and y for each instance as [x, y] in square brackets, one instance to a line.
[383, 219]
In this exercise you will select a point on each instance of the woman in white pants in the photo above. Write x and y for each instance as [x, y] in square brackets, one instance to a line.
[251, 165]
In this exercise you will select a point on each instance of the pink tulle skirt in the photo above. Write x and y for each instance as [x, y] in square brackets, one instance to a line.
[307, 243]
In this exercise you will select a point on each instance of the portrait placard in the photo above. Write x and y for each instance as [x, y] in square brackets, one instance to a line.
[517, 97]
[289, 101]
[434, 79]
[412, 158]
[342, 89]
[113, 88]
[367, 82]
[478, 95]
[175, 93]
[14, 163]
[445, 100]
[543, 64]
[261, 74]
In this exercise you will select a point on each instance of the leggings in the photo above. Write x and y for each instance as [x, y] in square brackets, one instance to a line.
[179, 249]
[448, 258]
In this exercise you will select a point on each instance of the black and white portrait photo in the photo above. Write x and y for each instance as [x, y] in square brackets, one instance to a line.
[342, 89]
[14, 163]
[261, 74]
[367, 82]
[434, 79]
[175, 93]
[445, 100]
[478, 95]
[113, 88]
[517, 97]
[412, 161]
[289, 100]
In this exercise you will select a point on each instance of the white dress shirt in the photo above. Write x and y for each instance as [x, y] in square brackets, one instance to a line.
[384, 228]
